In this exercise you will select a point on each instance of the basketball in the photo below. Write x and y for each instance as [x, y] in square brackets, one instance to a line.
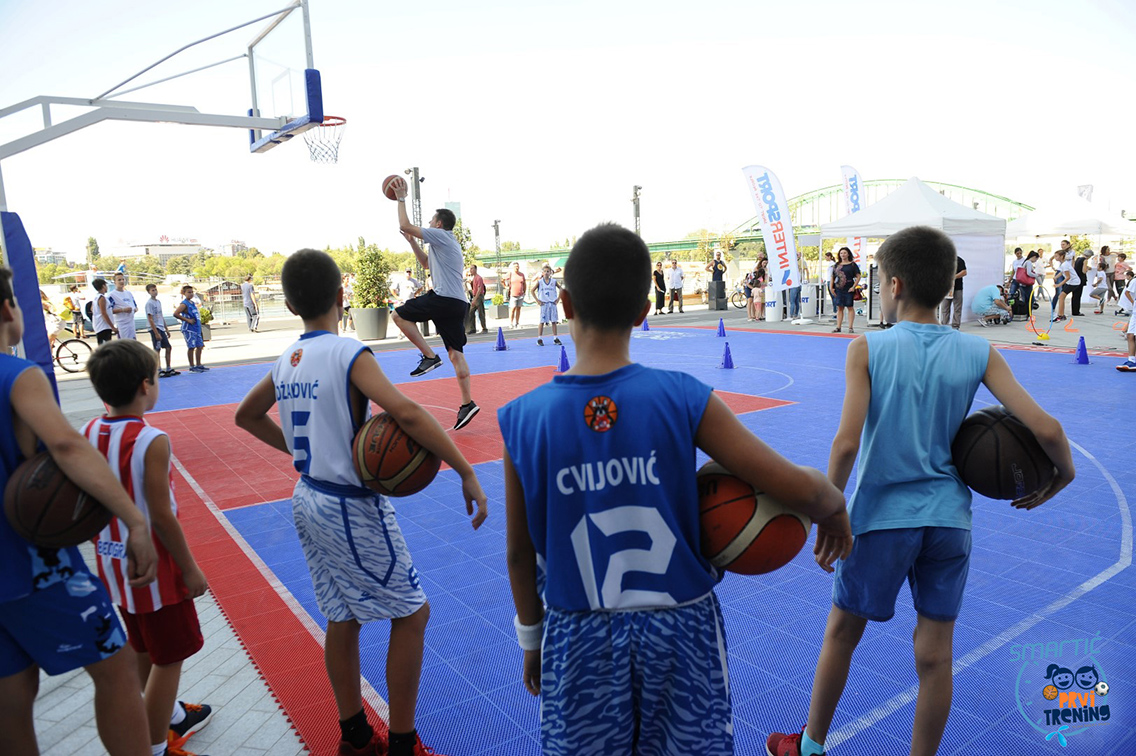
[388, 190]
[47, 509]
[390, 461]
[744, 530]
[998, 457]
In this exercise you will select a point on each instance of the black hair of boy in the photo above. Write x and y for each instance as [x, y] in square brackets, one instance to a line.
[607, 275]
[118, 368]
[98, 284]
[6, 294]
[924, 259]
[447, 218]
[310, 279]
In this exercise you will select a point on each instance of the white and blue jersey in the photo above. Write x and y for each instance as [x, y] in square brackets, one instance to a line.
[608, 468]
[546, 292]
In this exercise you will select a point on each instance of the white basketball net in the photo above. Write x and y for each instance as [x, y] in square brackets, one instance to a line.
[323, 140]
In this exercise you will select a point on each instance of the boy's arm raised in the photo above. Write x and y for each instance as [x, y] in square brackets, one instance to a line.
[1049, 433]
[252, 414]
[520, 554]
[156, 485]
[83, 464]
[422, 427]
[805, 489]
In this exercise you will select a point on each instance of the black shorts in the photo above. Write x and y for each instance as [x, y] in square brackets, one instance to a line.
[1068, 288]
[104, 336]
[447, 314]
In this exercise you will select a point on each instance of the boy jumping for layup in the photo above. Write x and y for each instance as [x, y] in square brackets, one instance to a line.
[598, 463]
[445, 304]
[907, 391]
[359, 562]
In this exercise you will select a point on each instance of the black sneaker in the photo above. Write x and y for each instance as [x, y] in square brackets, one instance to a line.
[196, 717]
[425, 365]
[540, 342]
[558, 342]
[465, 414]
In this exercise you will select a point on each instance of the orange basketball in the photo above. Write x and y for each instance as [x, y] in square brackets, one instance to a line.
[388, 190]
[47, 509]
[390, 461]
[744, 530]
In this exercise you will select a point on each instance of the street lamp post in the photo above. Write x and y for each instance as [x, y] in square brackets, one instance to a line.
[497, 239]
[635, 190]
[416, 218]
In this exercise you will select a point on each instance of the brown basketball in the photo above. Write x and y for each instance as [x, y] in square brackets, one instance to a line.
[998, 456]
[390, 461]
[47, 509]
[388, 190]
[745, 530]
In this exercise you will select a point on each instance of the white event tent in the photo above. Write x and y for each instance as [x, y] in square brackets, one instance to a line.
[1076, 216]
[980, 239]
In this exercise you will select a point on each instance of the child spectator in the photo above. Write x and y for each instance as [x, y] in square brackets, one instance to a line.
[123, 308]
[101, 319]
[546, 290]
[158, 334]
[53, 616]
[648, 638]
[910, 511]
[349, 533]
[161, 620]
[190, 318]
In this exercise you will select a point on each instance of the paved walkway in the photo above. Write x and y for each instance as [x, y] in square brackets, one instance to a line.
[248, 720]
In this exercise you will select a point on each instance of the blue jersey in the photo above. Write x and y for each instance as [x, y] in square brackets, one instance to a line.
[924, 377]
[607, 463]
[313, 391]
[23, 567]
[191, 313]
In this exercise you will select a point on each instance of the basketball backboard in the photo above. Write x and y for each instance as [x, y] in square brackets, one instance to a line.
[283, 78]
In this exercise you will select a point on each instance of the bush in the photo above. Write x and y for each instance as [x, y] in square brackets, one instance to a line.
[373, 269]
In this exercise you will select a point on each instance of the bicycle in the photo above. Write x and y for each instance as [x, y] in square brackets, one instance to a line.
[72, 355]
[738, 298]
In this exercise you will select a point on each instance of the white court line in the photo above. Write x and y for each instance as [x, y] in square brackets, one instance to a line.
[369, 693]
[897, 702]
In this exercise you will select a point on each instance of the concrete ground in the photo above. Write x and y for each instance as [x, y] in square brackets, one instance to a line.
[248, 720]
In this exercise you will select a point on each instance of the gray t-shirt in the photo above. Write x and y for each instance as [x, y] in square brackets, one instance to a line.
[445, 263]
[154, 307]
[246, 295]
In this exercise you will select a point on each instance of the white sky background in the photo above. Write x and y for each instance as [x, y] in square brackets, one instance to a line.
[544, 114]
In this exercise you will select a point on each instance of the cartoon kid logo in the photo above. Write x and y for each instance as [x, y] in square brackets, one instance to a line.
[600, 413]
[1062, 678]
[296, 355]
[1070, 700]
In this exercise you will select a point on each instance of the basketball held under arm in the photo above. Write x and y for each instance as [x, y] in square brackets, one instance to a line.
[252, 415]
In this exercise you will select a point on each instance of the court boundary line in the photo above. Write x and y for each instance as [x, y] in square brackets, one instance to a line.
[897, 702]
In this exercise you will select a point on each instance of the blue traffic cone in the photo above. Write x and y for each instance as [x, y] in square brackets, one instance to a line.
[645, 326]
[563, 366]
[1082, 357]
[500, 346]
[727, 359]
[721, 328]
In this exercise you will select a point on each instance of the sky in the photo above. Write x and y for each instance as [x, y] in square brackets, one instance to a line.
[545, 114]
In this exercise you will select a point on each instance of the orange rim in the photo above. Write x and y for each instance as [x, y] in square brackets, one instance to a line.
[333, 121]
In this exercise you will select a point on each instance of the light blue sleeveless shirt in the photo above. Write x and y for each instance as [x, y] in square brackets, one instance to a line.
[924, 378]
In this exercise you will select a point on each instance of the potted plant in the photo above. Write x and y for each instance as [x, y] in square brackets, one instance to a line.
[502, 307]
[369, 309]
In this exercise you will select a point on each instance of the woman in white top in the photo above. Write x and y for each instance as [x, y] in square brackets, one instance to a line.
[1065, 281]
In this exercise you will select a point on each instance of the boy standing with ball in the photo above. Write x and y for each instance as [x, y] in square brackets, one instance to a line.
[161, 619]
[53, 616]
[360, 565]
[599, 463]
[907, 391]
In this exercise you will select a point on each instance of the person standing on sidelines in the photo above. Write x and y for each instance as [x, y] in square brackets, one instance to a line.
[476, 301]
[101, 320]
[159, 336]
[190, 316]
[1082, 269]
[74, 304]
[445, 304]
[660, 288]
[517, 283]
[123, 308]
[546, 289]
[950, 311]
[675, 278]
[252, 304]
[1128, 300]
[1015, 264]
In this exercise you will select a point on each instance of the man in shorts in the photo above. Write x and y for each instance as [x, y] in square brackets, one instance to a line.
[516, 295]
[445, 304]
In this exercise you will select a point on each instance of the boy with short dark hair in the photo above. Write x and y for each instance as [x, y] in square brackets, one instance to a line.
[158, 335]
[546, 289]
[161, 620]
[907, 391]
[53, 616]
[599, 463]
[102, 321]
[190, 318]
[360, 564]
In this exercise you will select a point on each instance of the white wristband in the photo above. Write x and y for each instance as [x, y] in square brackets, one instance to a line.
[529, 637]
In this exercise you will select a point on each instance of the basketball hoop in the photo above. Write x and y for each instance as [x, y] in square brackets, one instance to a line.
[323, 140]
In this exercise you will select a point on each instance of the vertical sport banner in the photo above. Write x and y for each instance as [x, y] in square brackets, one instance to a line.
[776, 226]
[852, 203]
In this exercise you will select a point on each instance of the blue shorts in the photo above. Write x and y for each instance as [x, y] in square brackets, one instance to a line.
[645, 682]
[358, 559]
[934, 560]
[193, 339]
[69, 624]
[159, 339]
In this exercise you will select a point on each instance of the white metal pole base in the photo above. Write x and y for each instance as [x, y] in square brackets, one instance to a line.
[802, 321]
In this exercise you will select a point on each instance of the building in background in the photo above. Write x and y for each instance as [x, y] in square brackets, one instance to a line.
[164, 249]
[232, 248]
[46, 256]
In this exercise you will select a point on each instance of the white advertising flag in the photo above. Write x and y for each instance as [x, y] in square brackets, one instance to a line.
[776, 226]
[852, 203]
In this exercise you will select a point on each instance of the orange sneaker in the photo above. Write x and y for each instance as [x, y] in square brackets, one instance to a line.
[175, 749]
[779, 744]
[196, 717]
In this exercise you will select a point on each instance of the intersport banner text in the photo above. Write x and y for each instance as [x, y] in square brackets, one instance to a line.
[776, 226]
[853, 192]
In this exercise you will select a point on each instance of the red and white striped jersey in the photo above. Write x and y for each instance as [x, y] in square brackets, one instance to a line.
[124, 441]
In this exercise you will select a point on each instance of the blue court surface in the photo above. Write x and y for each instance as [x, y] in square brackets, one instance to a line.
[1051, 586]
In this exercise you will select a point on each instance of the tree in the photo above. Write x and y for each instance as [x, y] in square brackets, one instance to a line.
[464, 239]
[179, 266]
[92, 249]
[510, 246]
